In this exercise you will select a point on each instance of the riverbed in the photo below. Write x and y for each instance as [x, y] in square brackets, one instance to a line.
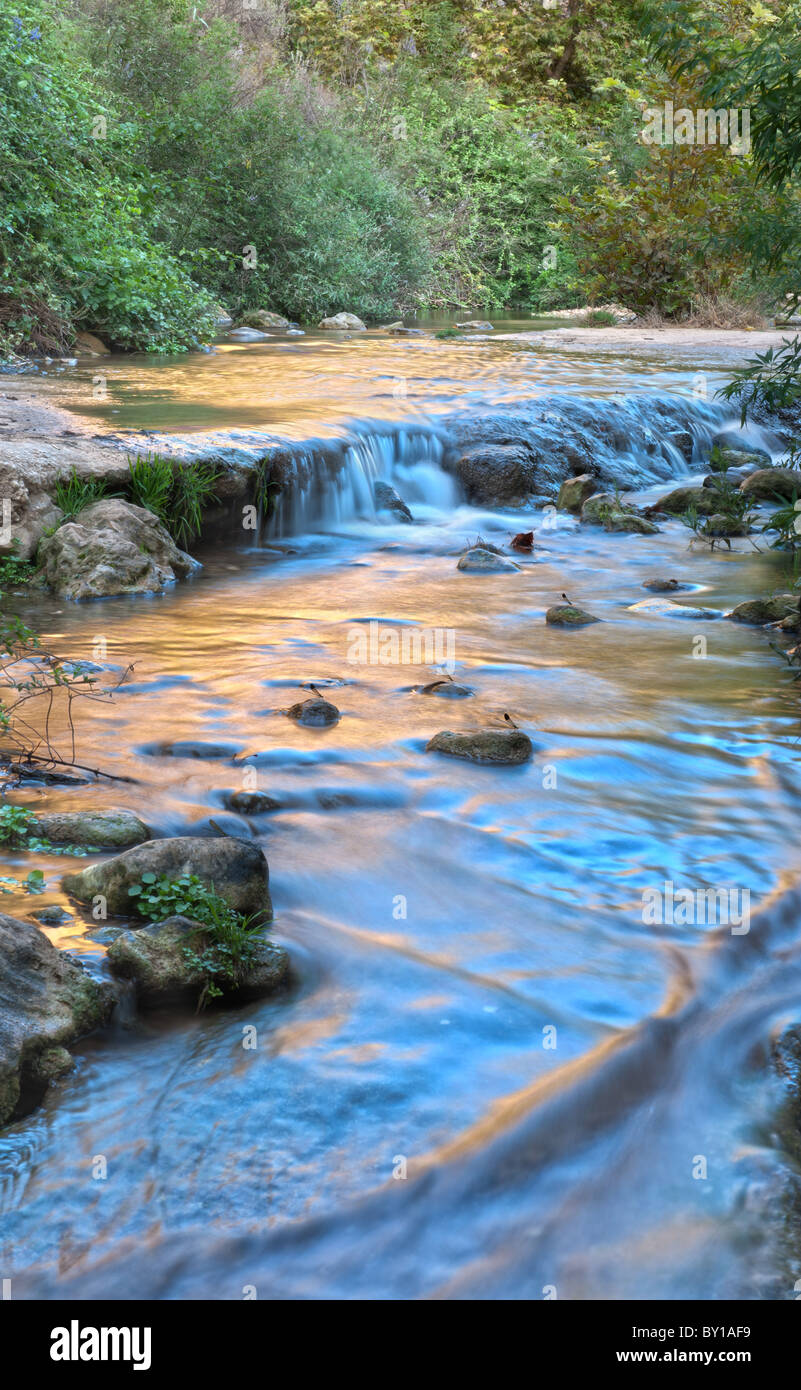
[492, 1077]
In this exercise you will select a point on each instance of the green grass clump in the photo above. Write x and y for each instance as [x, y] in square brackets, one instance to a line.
[73, 493]
[177, 493]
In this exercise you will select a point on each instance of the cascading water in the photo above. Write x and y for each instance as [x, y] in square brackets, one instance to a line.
[626, 443]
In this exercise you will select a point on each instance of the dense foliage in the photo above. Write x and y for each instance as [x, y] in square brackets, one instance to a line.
[309, 156]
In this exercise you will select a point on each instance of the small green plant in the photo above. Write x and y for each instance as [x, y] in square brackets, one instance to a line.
[16, 824]
[73, 493]
[226, 941]
[13, 570]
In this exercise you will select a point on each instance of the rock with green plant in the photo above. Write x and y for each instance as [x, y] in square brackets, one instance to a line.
[192, 959]
[47, 1002]
[112, 547]
[607, 509]
[235, 869]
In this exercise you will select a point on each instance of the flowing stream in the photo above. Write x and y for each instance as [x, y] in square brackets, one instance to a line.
[478, 1003]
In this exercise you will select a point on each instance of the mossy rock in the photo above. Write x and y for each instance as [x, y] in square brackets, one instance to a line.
[567, 615]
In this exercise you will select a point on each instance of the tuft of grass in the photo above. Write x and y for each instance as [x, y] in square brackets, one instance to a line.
[73, 493]
[598, 318]
[177, 493]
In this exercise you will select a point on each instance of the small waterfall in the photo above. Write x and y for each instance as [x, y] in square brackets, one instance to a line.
[626, 442]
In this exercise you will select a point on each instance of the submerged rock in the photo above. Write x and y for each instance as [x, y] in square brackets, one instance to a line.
[772, 485]
[567, 615]
[193, 748]
[155, 958]
[52, 916]
[574, 492]
[236, 869]
[47, 1001]
[251, 803]
[759, 611]
[484, 745]
[112, 547]
[247, 335]
[665, 586]
[449, 689]
[97, 829]
[479, 560]
[388, 500]
[343, 320]
[476, 325]
[315, 713]
[665, 608]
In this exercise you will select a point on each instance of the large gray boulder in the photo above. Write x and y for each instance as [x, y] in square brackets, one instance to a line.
[47, 1001]
[155, 958]
[236, 869]
[112, 547]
